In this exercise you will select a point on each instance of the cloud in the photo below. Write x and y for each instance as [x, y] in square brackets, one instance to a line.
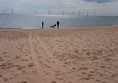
[98, 1]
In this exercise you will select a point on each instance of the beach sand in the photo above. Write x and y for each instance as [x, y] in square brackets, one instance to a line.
[73, 55]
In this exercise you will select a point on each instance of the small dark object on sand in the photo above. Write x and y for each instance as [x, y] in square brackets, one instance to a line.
[53, 26]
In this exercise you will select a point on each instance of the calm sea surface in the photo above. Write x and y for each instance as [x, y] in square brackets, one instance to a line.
[30, 21]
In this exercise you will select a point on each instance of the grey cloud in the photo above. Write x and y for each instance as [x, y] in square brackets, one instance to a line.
[98, 1]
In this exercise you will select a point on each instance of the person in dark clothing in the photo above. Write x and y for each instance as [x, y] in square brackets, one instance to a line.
[42, 24]
[58, 23]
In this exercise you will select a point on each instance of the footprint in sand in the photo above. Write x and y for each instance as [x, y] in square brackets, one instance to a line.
[113, 75]
[5, 79]
[17, 57]
[102, 66]
[31, 64]
[86, 78]
[4, 52]
[0, 76]
[1, 59]
[54, 82]
[21, 67]
[98, 80]
[23, 82]
[90, 75]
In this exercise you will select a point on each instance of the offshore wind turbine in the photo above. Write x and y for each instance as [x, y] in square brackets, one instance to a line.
[79, 13]
[12, 11]
[49, 12]
[3, 12]
[62, 12]
[87, 13]
[94, 13]
[36, 12]
[73, 13]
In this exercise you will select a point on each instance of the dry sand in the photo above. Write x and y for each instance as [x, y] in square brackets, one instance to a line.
[84, 55]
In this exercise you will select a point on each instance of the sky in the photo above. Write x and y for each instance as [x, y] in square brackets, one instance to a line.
[100, 7]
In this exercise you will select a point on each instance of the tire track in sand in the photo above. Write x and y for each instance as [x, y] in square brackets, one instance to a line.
[55, 64]
[40, 74]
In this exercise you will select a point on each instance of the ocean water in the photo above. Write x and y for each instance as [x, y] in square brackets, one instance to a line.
[32, 21]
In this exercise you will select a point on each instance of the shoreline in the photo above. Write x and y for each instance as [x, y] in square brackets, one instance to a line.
[78, 27]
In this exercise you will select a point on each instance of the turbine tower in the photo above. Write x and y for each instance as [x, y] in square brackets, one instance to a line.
[94, 13]
[36, 12]
[87, 13]
[73, 13]
[79, 13]
[62, 12]
[49, 12]
[3, 11]
[12, 11]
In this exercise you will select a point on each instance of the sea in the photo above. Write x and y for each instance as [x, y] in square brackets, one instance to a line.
[35, 21]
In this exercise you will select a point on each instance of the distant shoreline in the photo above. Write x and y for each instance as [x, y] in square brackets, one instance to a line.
[63, 27]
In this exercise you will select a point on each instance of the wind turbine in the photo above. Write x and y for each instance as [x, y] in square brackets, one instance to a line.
[94, 13]
[73, 13]
[62, 12]
[79, 13]
[12, 11]
[36, 12]
[87, 13]
[49, 12]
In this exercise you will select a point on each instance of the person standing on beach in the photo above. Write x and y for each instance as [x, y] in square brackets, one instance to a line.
[42, 24]
[58, 23]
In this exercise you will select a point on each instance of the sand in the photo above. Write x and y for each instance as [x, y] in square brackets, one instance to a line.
[73, 55]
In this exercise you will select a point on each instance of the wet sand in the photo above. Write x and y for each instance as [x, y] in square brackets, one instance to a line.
[78, 55]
